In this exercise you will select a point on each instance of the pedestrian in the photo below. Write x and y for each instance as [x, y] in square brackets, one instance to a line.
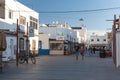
[82, 52]
[90, 50]
[77, 51]
[94, 50]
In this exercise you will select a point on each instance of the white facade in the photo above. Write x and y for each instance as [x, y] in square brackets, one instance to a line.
[10, 11]
[81, 33]
[10, 51]
[61, 37]
[55, 32]
[98, 40]
[44, 38]
[118, 48]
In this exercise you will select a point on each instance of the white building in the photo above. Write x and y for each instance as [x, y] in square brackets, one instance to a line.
[81, 34]
[64, 36]
[61, 36]
[57, 31]
[10, 11]
[98, 41]
[44, 47]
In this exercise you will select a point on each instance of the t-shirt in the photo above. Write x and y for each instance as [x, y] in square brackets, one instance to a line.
[76, 48]
[82, 50]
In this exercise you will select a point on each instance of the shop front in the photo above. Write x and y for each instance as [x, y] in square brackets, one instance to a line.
[59, 47]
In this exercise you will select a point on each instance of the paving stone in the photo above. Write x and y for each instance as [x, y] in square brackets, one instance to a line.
[63, 68]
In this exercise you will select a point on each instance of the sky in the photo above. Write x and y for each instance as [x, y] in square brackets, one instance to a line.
[94, 21]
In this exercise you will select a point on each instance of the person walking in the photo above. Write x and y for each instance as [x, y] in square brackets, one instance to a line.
[82, 52]
[77, 51]
[90, 50]
[94, 50]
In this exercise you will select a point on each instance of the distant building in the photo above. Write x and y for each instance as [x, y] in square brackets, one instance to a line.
[61, 37]
[58, 32]
[98, 41]
[81, 34]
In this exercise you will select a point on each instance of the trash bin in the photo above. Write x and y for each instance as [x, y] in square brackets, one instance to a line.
[102, 54]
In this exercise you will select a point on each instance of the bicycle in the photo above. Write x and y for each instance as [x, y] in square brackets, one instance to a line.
[22, 59]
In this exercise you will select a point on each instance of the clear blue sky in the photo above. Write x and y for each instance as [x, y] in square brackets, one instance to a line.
[93, 20]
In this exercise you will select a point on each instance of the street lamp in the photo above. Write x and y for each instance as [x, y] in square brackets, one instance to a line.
[81, 19]
[116, 23]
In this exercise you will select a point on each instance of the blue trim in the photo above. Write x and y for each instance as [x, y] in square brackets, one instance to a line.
[43, 52]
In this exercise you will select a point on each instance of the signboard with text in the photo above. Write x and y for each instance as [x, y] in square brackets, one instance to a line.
[31, 31]
[60, 38]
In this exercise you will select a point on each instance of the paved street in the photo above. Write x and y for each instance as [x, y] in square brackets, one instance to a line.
[63, 68]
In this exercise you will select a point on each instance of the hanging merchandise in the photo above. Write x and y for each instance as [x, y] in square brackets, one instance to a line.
[3, 43]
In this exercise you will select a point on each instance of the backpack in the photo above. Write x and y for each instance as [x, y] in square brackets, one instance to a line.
[2, 41]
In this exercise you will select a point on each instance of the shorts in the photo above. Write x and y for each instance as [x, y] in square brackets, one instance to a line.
[82, 54]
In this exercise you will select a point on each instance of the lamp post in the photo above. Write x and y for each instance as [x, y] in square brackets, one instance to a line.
[116, 24]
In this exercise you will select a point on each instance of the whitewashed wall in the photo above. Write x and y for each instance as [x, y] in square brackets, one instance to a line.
[118, 48]
[101, 38]
[45, 40]
[55, 31]
[34, 38]
[5, 25]
[11, 48]
[81, 35]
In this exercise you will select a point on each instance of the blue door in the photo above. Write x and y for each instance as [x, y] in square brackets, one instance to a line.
[42, 51]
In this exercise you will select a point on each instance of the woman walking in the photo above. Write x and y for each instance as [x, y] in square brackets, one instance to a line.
[77, 51]
[82, 51]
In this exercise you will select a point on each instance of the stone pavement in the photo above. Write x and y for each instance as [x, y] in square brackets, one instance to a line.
[63, 68]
